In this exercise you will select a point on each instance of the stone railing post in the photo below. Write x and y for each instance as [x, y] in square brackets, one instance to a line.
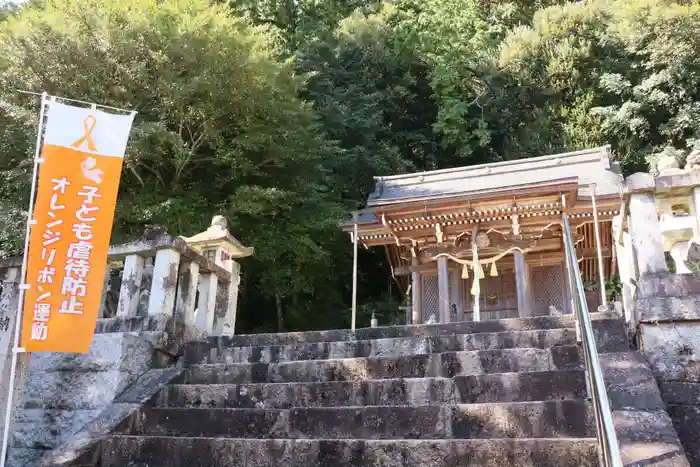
[226, 325]
[187, 292]
[129, 293]
[696, 209]
[206, 309]
[218, 316]
[105, 290]
[164, 286]
[645, 228]
[161, 278]
[9, 296]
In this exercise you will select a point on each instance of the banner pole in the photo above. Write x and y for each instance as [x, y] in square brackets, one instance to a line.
[354, 271]
[22, 287]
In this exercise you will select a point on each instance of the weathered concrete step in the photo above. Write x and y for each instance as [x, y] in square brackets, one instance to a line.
[503, 387]
[680, 393]
[686, 420]
[550, 419]
[108, 352]
[444, 365]
[423, 330]
[125, 451]
[386, 347]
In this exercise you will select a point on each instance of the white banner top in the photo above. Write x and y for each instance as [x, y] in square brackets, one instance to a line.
[88, 129]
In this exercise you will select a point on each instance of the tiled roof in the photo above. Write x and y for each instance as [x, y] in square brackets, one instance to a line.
[588, 166]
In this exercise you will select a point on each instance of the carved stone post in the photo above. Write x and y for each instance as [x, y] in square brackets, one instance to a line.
[625, 264]
[443, 291]
[129, 292]
[696, 209]
[208, 286]
[218, 245]
[163, 288]
[225, 325]
[187, 293]
[105, 291]
[8, 314]
[644, 225]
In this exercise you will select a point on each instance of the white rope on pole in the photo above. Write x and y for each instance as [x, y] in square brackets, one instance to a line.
[22, 288]
[476, 308]
[601, 268]
[354, 271]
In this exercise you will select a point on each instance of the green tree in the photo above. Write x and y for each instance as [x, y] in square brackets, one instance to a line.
[297, 23]
[373, 100]
[624, 72]
[219, 127]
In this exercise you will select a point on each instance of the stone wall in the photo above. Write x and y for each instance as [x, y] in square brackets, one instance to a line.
[663, 220]
[668, 313]
[168, 291]
[64, 392]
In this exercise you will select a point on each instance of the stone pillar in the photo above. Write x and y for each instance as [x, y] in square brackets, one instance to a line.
[646, 234]
[105, 290]
[129, 293]
[208, 286]
[522, 282]
[625, 266]
[417, 297]
[163, 288]
[456, 299]
[226, 326]
[187, 293]
[443, 290]
[696, 209]
[8, 314]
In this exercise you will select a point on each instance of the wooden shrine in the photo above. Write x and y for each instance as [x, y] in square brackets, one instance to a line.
[487, 239]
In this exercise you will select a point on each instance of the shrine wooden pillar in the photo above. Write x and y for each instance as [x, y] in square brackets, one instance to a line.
[416, 298]
[522, 282]
[443, 291]
[456, 300]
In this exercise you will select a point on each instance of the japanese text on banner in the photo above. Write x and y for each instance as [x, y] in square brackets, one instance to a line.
[76, 197]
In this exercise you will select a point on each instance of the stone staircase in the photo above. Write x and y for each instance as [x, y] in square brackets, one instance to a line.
[495, 393]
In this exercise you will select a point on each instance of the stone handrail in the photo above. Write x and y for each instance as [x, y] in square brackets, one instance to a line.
[158, 276]
[660, 215]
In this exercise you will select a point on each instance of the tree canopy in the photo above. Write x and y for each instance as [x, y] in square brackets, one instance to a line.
[278, 113]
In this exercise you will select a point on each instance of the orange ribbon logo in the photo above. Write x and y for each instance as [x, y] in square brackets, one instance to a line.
[88, 124]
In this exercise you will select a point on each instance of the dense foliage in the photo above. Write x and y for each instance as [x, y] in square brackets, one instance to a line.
[277, 113]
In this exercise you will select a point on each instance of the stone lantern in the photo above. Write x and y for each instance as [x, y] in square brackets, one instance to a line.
[217, 244]
[222, 248]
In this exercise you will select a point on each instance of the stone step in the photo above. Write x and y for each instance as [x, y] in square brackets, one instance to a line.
[503, 387]
[444, 365]
[686, 420]
[422, 330]
[680, 392]
[548, 419]
[386, 347]
[129, 451]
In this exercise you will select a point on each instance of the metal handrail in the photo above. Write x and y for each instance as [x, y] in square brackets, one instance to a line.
[607, 439]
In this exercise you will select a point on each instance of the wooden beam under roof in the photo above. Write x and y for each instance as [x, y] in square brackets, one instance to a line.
[483, 201]
[380, 237]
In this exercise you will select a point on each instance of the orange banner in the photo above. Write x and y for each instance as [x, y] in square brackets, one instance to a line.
[69, 241]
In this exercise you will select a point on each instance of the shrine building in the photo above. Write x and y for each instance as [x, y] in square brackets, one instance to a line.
[486, 241]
